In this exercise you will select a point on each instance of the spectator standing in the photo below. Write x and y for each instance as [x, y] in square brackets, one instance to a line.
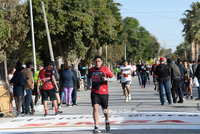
[183, 72]
[19, 85]
[29, 86]
[67, 81]
[175, 76]
[162, 71]
[10, 76]
[188, 80]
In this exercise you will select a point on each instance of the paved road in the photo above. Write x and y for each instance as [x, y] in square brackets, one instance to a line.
[144, 103]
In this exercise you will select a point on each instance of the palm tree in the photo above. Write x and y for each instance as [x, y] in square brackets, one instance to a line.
[191, 24]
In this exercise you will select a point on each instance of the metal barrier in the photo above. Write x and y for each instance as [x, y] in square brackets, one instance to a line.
[5, 100]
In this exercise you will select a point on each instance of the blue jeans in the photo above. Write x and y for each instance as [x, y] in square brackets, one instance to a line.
[144, 79]
[199, 89]
[167, 91]
[28, 100]
[74, 95]
[62, 96]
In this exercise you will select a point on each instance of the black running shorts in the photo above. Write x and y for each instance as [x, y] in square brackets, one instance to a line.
[49, 93]
[101, 99]
[126, 84]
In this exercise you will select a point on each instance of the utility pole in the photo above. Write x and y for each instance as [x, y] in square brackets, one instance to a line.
[47, 30]
[33, 37]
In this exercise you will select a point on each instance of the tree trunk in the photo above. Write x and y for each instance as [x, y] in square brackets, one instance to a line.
[5, 68]
[185, 55]
[192, 50]
[99, 51]
[79, 59]
[90, 56]
[196, 50]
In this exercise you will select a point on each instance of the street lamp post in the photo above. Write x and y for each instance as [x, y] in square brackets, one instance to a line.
[33, 37]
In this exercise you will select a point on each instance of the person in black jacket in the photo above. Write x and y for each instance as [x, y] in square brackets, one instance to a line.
[19, 88]
[162, 71]
[143, 73]
[197, 74]
[183, 72]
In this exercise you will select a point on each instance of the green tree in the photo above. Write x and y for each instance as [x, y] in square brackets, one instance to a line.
[15, 17]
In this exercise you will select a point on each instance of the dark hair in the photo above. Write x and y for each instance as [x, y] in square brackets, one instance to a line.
[20, 68]
[18, 64]
[63, 66]
[28, 64]
[98, 56]
[179, 60]
[46, 63]
[198, 60]
[169, 60]
[52, 63]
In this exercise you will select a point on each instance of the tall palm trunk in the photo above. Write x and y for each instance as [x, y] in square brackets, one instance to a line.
[196, 50]
[193, 50]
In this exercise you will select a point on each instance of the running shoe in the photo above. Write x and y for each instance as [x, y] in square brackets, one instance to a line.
[45, 114]
[129, 97]
[59, 112]
[126, 99]
[142, 86]
[187, 97]
[171, 104]
[191, 97]
[107, 126]
[96, 130]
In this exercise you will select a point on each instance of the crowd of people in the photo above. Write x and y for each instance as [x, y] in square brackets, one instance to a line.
[179, 75]
[63, 83]
[48, 81]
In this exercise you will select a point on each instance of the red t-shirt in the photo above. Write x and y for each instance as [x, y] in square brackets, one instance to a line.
[46, 77]
[98, 85]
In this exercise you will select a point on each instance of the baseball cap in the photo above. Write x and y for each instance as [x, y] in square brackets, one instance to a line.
[162, 59]
[194, 61]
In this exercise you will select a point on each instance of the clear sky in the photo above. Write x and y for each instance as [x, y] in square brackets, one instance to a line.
[160, 17]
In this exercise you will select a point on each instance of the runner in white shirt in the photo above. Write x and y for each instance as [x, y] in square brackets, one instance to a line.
[126, 71]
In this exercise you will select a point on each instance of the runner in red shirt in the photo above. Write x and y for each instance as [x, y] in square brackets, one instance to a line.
[48, 81]
[99, 94]
[155, 77]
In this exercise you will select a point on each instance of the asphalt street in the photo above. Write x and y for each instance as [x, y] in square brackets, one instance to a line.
[143, 101]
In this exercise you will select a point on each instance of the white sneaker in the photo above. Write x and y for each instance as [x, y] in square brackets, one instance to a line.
[129, 97]
[126, 99]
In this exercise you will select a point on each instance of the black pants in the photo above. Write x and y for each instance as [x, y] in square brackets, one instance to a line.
[176, 86]
[148, 78]
[20, 101]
